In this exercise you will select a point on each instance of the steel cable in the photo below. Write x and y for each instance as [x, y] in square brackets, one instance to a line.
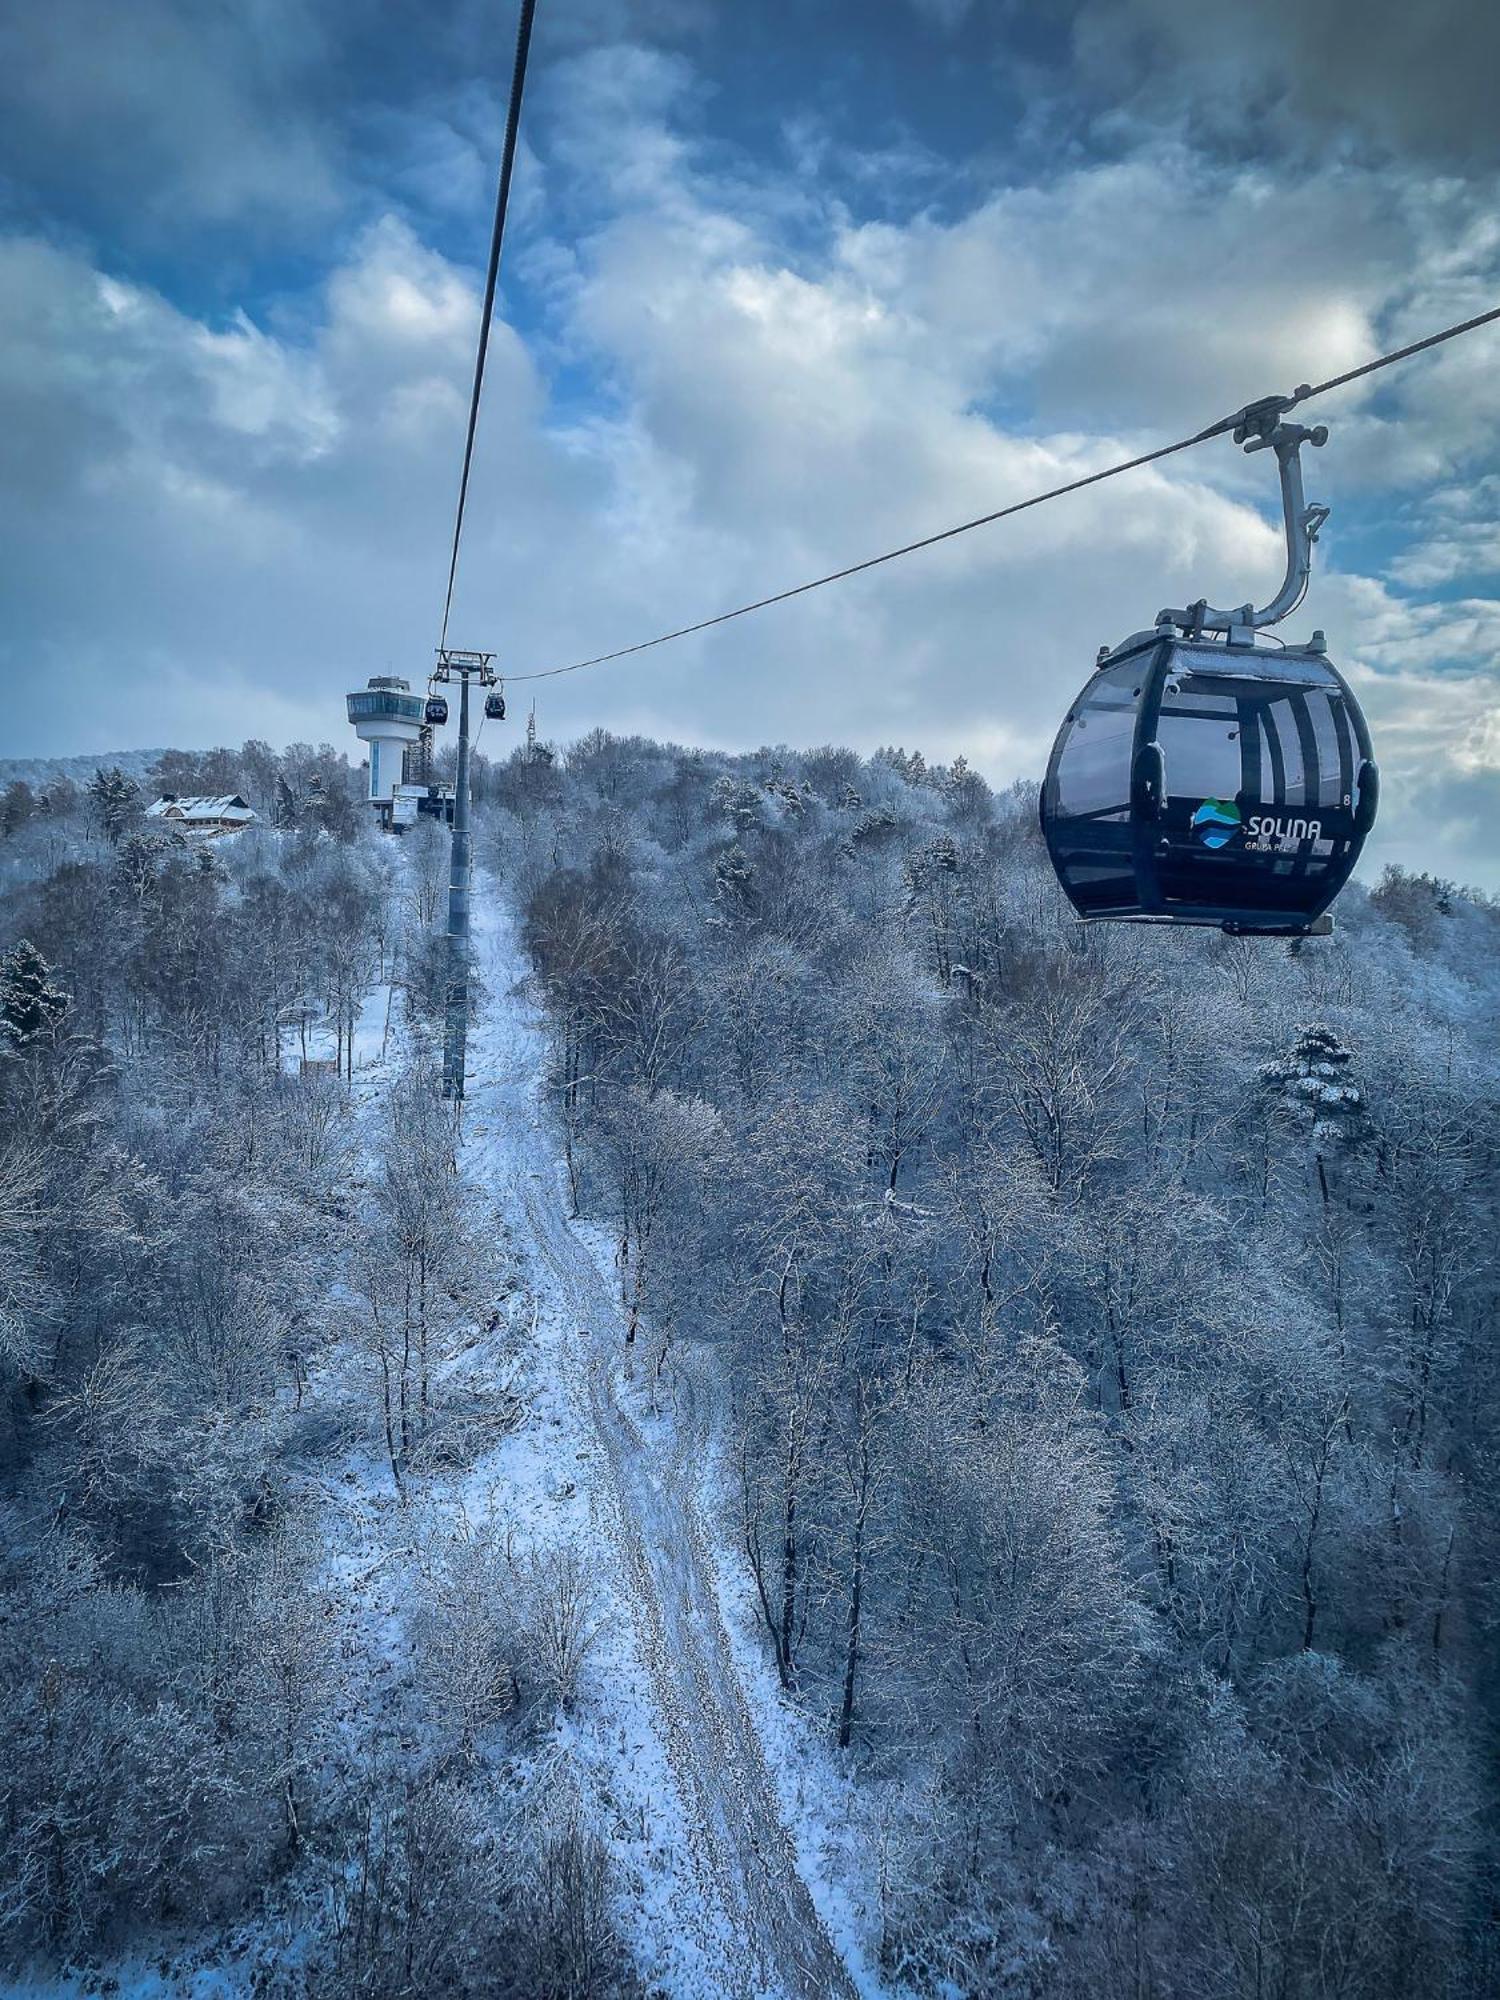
[497, 235]
[1304, 394]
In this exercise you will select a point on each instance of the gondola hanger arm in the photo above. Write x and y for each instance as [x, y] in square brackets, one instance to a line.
[1262, 426]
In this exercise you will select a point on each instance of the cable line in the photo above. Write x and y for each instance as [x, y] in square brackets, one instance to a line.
[1304, 394]
[1400, 354]
[497, 234]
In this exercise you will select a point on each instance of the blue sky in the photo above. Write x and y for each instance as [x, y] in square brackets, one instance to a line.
[785, 285]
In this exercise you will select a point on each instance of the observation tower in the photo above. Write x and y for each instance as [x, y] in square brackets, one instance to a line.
[389, 717]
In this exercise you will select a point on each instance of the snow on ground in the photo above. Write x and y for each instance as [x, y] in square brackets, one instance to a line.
[535, 1489]
[831, 1822]
[377, 1028]
[759, 1888]
[677, 1937]
[379, 1036]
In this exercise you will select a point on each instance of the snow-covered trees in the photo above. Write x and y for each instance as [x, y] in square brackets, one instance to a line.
[182, 1217]
[31, 1007]
[660, 1147]
[113, 799]
[422, 1267]
[1105, 1326]
[1315, 1087]
[1107, 1355]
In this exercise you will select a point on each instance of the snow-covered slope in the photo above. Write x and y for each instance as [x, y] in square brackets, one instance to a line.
[723, 1902]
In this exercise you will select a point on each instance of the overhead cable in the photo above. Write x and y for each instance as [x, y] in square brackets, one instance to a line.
[1304, 394]
[497, 235]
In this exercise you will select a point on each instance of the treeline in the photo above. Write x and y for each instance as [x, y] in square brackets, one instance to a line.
[1109, 1318]
[271, 1704]
[298, 786]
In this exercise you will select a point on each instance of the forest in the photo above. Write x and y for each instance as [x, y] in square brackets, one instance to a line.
[1092, 1330]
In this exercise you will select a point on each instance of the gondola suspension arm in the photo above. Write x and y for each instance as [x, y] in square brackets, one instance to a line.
[1262, 427]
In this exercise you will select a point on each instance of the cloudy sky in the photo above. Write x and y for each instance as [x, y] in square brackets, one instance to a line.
[785, 284]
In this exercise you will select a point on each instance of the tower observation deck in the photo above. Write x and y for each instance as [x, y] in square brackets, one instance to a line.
[388, 716]
[393, 721]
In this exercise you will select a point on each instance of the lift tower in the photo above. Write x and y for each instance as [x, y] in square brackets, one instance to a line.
[462, 667]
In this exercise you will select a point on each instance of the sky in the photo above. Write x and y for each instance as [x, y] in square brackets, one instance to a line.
[784, 285]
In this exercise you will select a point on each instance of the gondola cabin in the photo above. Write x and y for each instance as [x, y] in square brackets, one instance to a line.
[1195, 781]
[1206, 775]
[436, 712]
[494, 707]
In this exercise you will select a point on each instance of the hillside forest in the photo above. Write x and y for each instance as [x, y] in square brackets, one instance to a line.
[1092, 1331]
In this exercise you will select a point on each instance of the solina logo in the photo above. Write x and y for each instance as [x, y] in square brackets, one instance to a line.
[1216, 822]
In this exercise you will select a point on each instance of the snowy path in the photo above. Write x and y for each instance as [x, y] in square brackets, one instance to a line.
[736, 1880]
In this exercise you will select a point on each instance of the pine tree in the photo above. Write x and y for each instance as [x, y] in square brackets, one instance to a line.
[114, 798]
[733, 876]
[286, 806]
[31, 1007]
[332, 809]
[16, 807]
[1313, 1087]
[968, 792]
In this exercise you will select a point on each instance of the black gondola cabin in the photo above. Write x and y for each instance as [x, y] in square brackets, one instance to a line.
[436, 711]
[1195, 781]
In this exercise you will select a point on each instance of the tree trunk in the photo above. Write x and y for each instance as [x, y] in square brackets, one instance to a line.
[856, 1577]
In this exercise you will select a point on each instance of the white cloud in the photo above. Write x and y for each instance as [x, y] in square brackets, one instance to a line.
[1459, 536]
[1426, 676]
[262, 509]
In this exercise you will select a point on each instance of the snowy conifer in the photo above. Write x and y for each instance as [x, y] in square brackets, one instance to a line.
[113, 798]
[733, 875]
[1313, 1086]
[17, 806]
[31, 1007]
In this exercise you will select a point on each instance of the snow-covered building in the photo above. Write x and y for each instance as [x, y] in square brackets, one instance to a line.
[202, 818]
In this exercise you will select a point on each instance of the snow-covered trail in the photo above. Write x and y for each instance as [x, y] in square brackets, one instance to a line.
[737, 1882]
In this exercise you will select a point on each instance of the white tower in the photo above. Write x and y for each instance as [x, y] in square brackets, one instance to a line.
[387, 716]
